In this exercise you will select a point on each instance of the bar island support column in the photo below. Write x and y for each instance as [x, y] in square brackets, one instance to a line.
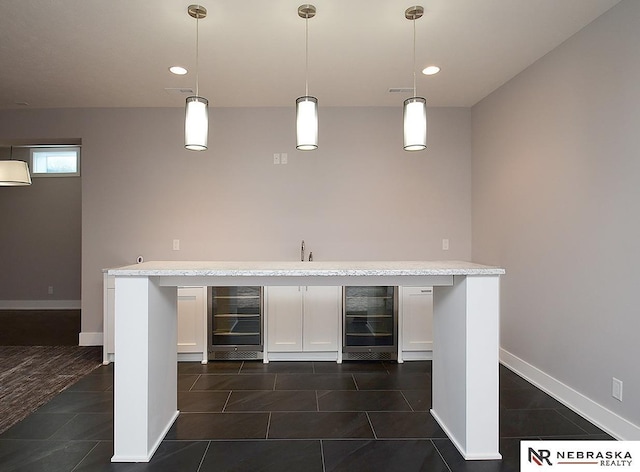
[465, 364]
[145, 398]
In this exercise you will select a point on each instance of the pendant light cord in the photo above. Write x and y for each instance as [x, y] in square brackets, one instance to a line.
[306, 55]
[414, 56]
[197, 51]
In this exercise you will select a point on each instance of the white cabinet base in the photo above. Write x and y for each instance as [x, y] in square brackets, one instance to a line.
[415, 356]
[304, 356]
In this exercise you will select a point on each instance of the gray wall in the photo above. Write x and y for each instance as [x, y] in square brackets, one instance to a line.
[40, 239]
[359, 196]
[556, 189]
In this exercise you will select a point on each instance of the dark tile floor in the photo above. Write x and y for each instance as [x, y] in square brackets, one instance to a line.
[303, 416]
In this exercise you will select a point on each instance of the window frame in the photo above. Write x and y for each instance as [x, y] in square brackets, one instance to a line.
[53, 149]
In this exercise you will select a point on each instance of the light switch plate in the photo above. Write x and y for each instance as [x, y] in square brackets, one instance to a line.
[616, 388]
[284, 158]
[276, 158]
[176, 244]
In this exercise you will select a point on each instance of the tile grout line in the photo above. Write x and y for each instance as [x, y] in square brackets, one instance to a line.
[375, 436]
[203, 456]
[324, 466]
[86, 455]
[195, 382]
[405, 399]
[268, 426]
[75, 415]
[440, 454]
[226, 402]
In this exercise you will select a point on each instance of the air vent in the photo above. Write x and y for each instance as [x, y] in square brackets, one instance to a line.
[179, 91]
[401, 90]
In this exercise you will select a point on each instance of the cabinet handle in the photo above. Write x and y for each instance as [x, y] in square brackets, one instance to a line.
[426, 291]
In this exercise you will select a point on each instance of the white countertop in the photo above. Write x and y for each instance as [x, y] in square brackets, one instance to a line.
[303, 269]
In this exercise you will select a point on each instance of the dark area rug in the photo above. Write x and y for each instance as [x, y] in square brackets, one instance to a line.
[31, 375]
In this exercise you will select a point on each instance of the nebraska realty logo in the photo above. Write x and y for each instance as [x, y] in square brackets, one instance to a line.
[580, 455]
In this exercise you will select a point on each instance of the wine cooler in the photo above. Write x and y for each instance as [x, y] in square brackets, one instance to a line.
[370, 323]
[235, 322]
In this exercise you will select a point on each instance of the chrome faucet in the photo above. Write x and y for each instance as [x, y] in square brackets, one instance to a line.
[302, 251]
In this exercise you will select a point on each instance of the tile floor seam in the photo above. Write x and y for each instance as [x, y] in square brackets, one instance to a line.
[87, 454]
[375, 436]
[224, 407]
[353, 377]
[440, 454]
[324, 467]
[195, 382]
[405, 399]
[268, 426]
[204, 456]
[49, 438]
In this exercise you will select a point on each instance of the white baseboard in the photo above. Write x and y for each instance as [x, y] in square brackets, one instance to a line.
[90, 339]
[605, 419]
[39, 304]
[417, 355]
[182, 357]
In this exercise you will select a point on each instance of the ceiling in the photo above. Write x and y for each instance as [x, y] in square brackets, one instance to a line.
[116, 53]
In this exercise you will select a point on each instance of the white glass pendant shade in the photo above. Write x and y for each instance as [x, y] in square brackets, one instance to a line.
[196, 124]
[14, 173]
[415, 124]
[307, 123]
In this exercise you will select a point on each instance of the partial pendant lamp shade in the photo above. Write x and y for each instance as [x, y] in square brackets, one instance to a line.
[14, 174]
[306, 106]
[307, 123]
[196, 119]
[415, 124]
[196, 124]
[415, 108]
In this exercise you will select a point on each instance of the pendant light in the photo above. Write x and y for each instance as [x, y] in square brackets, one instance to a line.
[14, 173]
[196, 121]
[306, 107]
[415, 108]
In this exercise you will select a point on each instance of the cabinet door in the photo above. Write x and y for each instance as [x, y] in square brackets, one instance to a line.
[284, 319]
[192, 309]
[417, 318]
[321, 320]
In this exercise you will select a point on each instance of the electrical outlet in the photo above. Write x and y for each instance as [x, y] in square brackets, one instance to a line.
[50, 290]
[616, 388]
[445, 244]
[176, 244]
[276, 158]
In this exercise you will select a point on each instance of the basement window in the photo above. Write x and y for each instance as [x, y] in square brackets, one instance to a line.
[55, 162]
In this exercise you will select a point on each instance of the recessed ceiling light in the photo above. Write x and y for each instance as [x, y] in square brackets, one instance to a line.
[430, 70]
[177, 70]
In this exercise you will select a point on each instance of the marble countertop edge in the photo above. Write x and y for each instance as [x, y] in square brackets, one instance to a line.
[303, 269]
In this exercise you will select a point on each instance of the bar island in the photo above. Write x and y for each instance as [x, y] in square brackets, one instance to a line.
[465, 339]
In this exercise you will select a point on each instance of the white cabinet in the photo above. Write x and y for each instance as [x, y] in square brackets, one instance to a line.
[192, 316]
[108, 307]
[415, 323]
[303, 323]
[192, 309]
